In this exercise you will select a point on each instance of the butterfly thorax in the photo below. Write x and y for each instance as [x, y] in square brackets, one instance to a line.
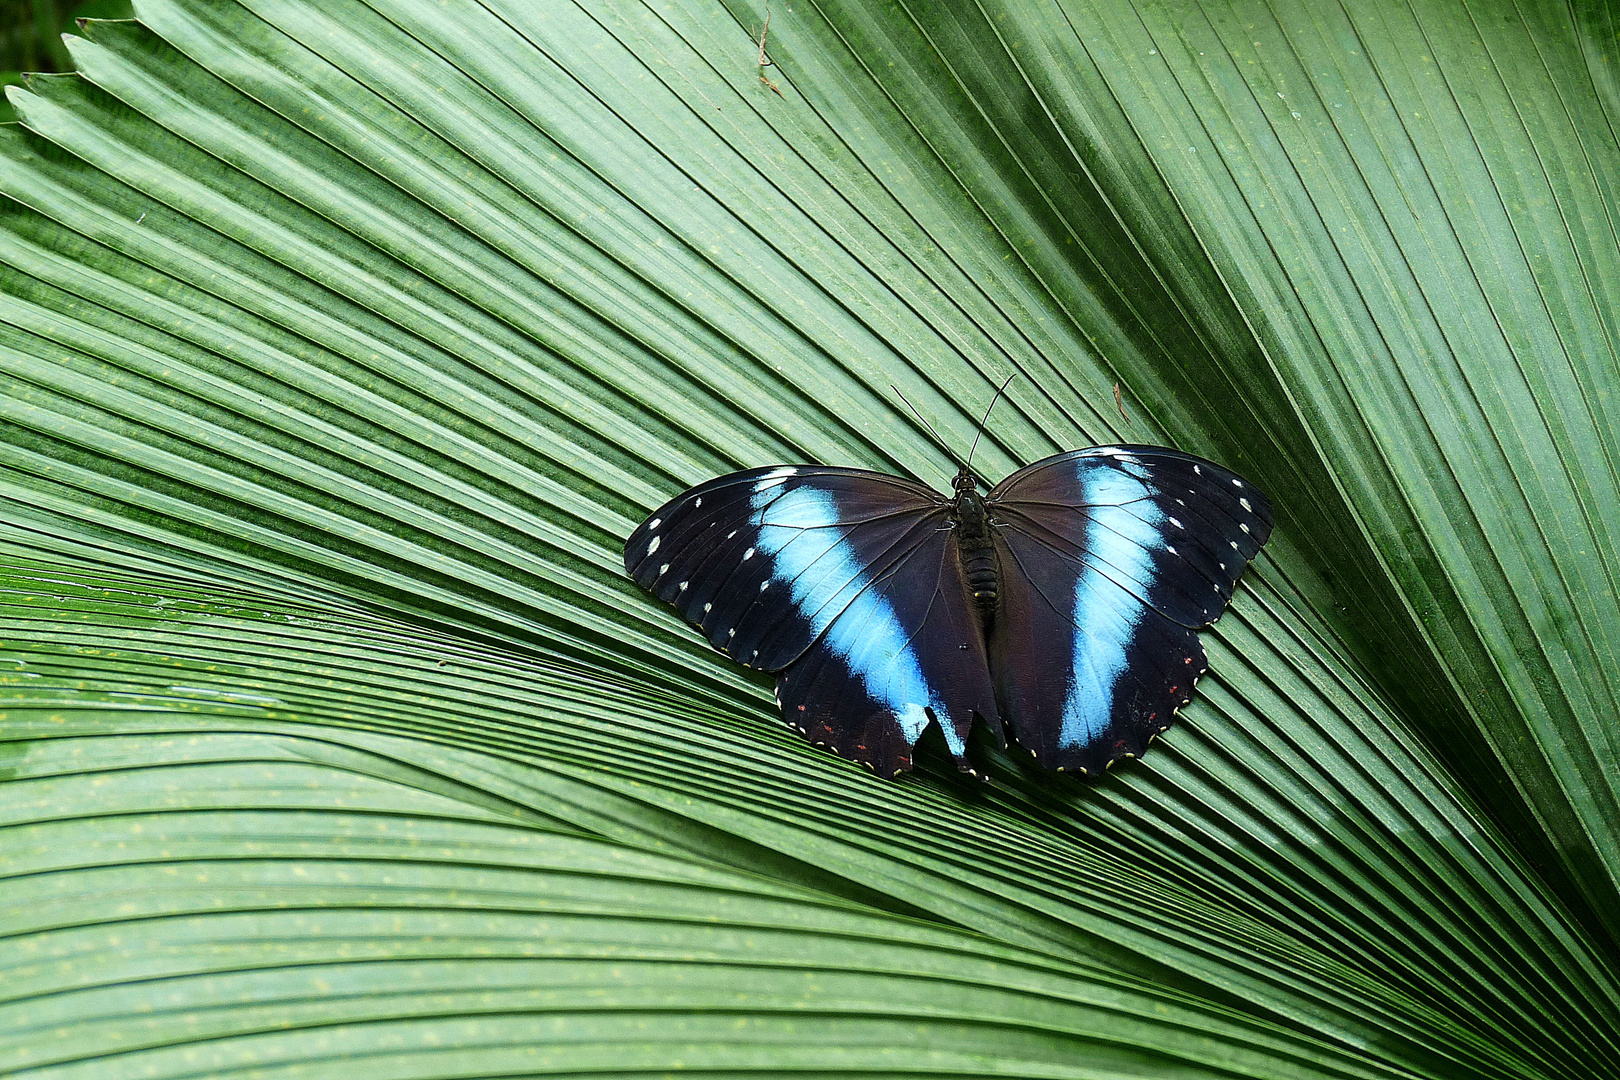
[978, 551]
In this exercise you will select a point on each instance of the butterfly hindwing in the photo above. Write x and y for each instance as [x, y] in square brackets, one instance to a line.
[1110, 559]
[908, 649]
[847, 582]
[1084, 671]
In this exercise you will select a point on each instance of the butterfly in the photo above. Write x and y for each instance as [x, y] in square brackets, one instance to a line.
[1065, 602]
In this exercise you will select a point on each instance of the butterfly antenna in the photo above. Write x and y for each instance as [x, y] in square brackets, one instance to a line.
[942, 444]
[986, 420]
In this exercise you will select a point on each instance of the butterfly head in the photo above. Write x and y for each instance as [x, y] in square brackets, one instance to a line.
[964, 481]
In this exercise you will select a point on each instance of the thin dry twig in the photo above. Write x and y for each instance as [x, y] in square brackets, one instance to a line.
[765, 61]
[1120, 401]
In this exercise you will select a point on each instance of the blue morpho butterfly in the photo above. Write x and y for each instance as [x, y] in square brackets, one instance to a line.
[1065, 602]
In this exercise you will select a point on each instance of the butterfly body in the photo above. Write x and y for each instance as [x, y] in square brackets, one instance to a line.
[971, 520]
[1065, 601]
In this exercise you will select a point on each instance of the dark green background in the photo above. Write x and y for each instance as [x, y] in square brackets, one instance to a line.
[31, 36]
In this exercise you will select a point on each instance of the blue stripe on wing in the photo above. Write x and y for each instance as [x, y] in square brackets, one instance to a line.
[1105, 616]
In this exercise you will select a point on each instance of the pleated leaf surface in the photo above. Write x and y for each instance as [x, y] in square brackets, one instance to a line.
[341, 346]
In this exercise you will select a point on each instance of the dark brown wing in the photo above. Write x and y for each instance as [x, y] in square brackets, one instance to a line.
[906, 650]
[1111, 557]
[848, 582]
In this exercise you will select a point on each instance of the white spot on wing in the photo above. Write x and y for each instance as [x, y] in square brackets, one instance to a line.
[664, 569]
[749, 554]
[652, 547]
[1177, 524]
[654, 523]
[707, 608]
[1245, 504]
[697, 502]
[773, 479]
[684, 584]
[764, 584]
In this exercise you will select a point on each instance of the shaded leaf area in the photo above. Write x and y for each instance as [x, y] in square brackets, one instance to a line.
[381, 328]
[1297, 925]
[363, 846]
[229, 875]
[1368, 255]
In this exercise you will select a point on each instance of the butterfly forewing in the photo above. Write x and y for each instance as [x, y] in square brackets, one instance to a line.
[762, 560]
[1110, 558]
[1173, 529]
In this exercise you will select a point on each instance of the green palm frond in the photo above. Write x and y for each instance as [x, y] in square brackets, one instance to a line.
[341, 346]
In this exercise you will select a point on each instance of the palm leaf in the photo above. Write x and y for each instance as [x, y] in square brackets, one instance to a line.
[344, 345]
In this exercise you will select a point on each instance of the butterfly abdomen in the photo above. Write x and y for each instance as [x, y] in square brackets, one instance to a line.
[982, 579]
[978, 550]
